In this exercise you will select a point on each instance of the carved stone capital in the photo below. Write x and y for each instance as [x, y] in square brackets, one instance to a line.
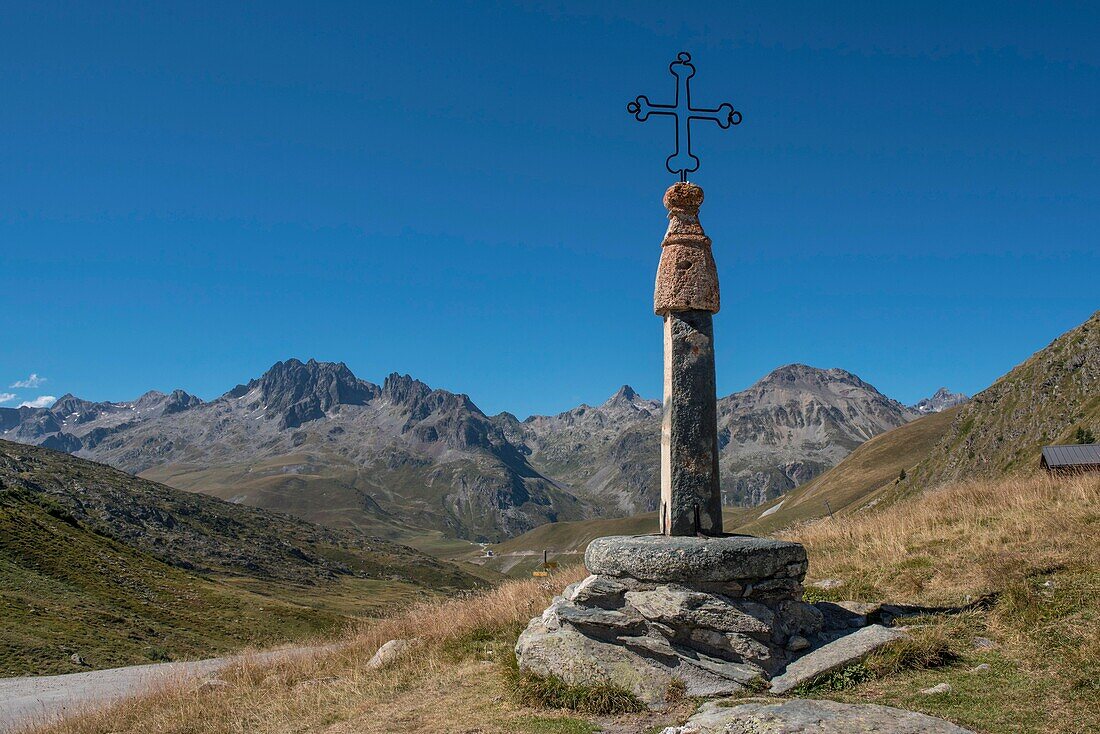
[687, 279]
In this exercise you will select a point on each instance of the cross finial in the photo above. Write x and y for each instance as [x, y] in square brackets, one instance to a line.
[682, 161]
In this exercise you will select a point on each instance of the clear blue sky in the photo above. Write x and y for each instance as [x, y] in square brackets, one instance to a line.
[192, 191]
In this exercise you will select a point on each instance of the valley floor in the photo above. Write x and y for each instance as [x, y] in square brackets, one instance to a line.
[1024, 548]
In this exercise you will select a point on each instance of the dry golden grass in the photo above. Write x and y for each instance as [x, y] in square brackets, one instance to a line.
[1027, 547]
[962, 540]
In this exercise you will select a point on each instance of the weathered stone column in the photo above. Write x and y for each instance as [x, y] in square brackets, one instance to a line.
[686, 296]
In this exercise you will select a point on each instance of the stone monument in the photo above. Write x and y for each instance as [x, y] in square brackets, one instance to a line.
[690, 607]
[692, 610]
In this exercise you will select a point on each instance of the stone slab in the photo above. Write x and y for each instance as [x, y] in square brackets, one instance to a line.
[846, 650]
[664, 559]
[812, 717]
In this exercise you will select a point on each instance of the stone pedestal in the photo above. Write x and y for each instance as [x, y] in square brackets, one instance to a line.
[718, 615]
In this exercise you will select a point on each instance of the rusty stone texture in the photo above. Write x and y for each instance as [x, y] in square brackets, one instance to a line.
[687, 279]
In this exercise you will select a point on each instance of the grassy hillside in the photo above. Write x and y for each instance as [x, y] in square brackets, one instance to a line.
[868, 473]
[1042, 401]
[1025, 545]
[121, 570]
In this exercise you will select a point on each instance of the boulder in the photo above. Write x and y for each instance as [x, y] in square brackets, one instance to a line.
[797, 643]
[811, 717]
[834, 656]
[937, 689]
[688, 560]
[388, 653]
[646, 665]
[599, 621]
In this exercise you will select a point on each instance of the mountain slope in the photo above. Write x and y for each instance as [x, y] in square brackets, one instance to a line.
[120, 570]
[856, 482]
[794, 424]
[610, 453]
[1042, 401]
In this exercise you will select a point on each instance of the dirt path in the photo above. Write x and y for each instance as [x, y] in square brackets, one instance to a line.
[50, 697]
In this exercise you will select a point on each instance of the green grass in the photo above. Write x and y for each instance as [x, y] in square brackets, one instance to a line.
[564, 725]
[554, 693]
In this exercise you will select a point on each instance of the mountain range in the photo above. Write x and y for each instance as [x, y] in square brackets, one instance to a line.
[312, 439]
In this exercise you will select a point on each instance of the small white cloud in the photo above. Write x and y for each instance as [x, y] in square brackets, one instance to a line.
[7, 397]
[42, 401]
[33, 381]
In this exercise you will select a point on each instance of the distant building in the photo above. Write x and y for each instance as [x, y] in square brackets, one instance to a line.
[1071, 459]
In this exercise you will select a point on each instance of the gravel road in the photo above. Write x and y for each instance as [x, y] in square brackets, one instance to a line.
[50, 697]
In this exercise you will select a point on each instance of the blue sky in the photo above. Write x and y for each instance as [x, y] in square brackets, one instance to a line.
[192, 191]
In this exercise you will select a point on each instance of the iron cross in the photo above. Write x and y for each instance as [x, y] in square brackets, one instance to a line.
[682, 161]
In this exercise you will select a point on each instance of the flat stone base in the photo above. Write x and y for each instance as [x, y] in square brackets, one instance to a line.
[676, 559]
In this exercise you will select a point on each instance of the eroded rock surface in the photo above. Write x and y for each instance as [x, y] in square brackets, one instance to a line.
[812, 717]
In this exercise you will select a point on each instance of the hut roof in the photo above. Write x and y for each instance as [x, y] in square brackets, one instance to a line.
[1067, 456]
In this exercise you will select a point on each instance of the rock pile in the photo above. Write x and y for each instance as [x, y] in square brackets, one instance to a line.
[713, 615]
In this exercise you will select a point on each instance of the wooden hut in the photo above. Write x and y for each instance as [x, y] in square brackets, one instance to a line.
[1071, 459]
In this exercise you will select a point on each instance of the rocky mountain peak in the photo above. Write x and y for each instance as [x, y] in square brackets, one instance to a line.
[627, 401]
[625, 393]
[404, 389]
[296, 392]
[805, 375]
[68, 404]
[149, 400]
[180, 401]
[941, 400]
